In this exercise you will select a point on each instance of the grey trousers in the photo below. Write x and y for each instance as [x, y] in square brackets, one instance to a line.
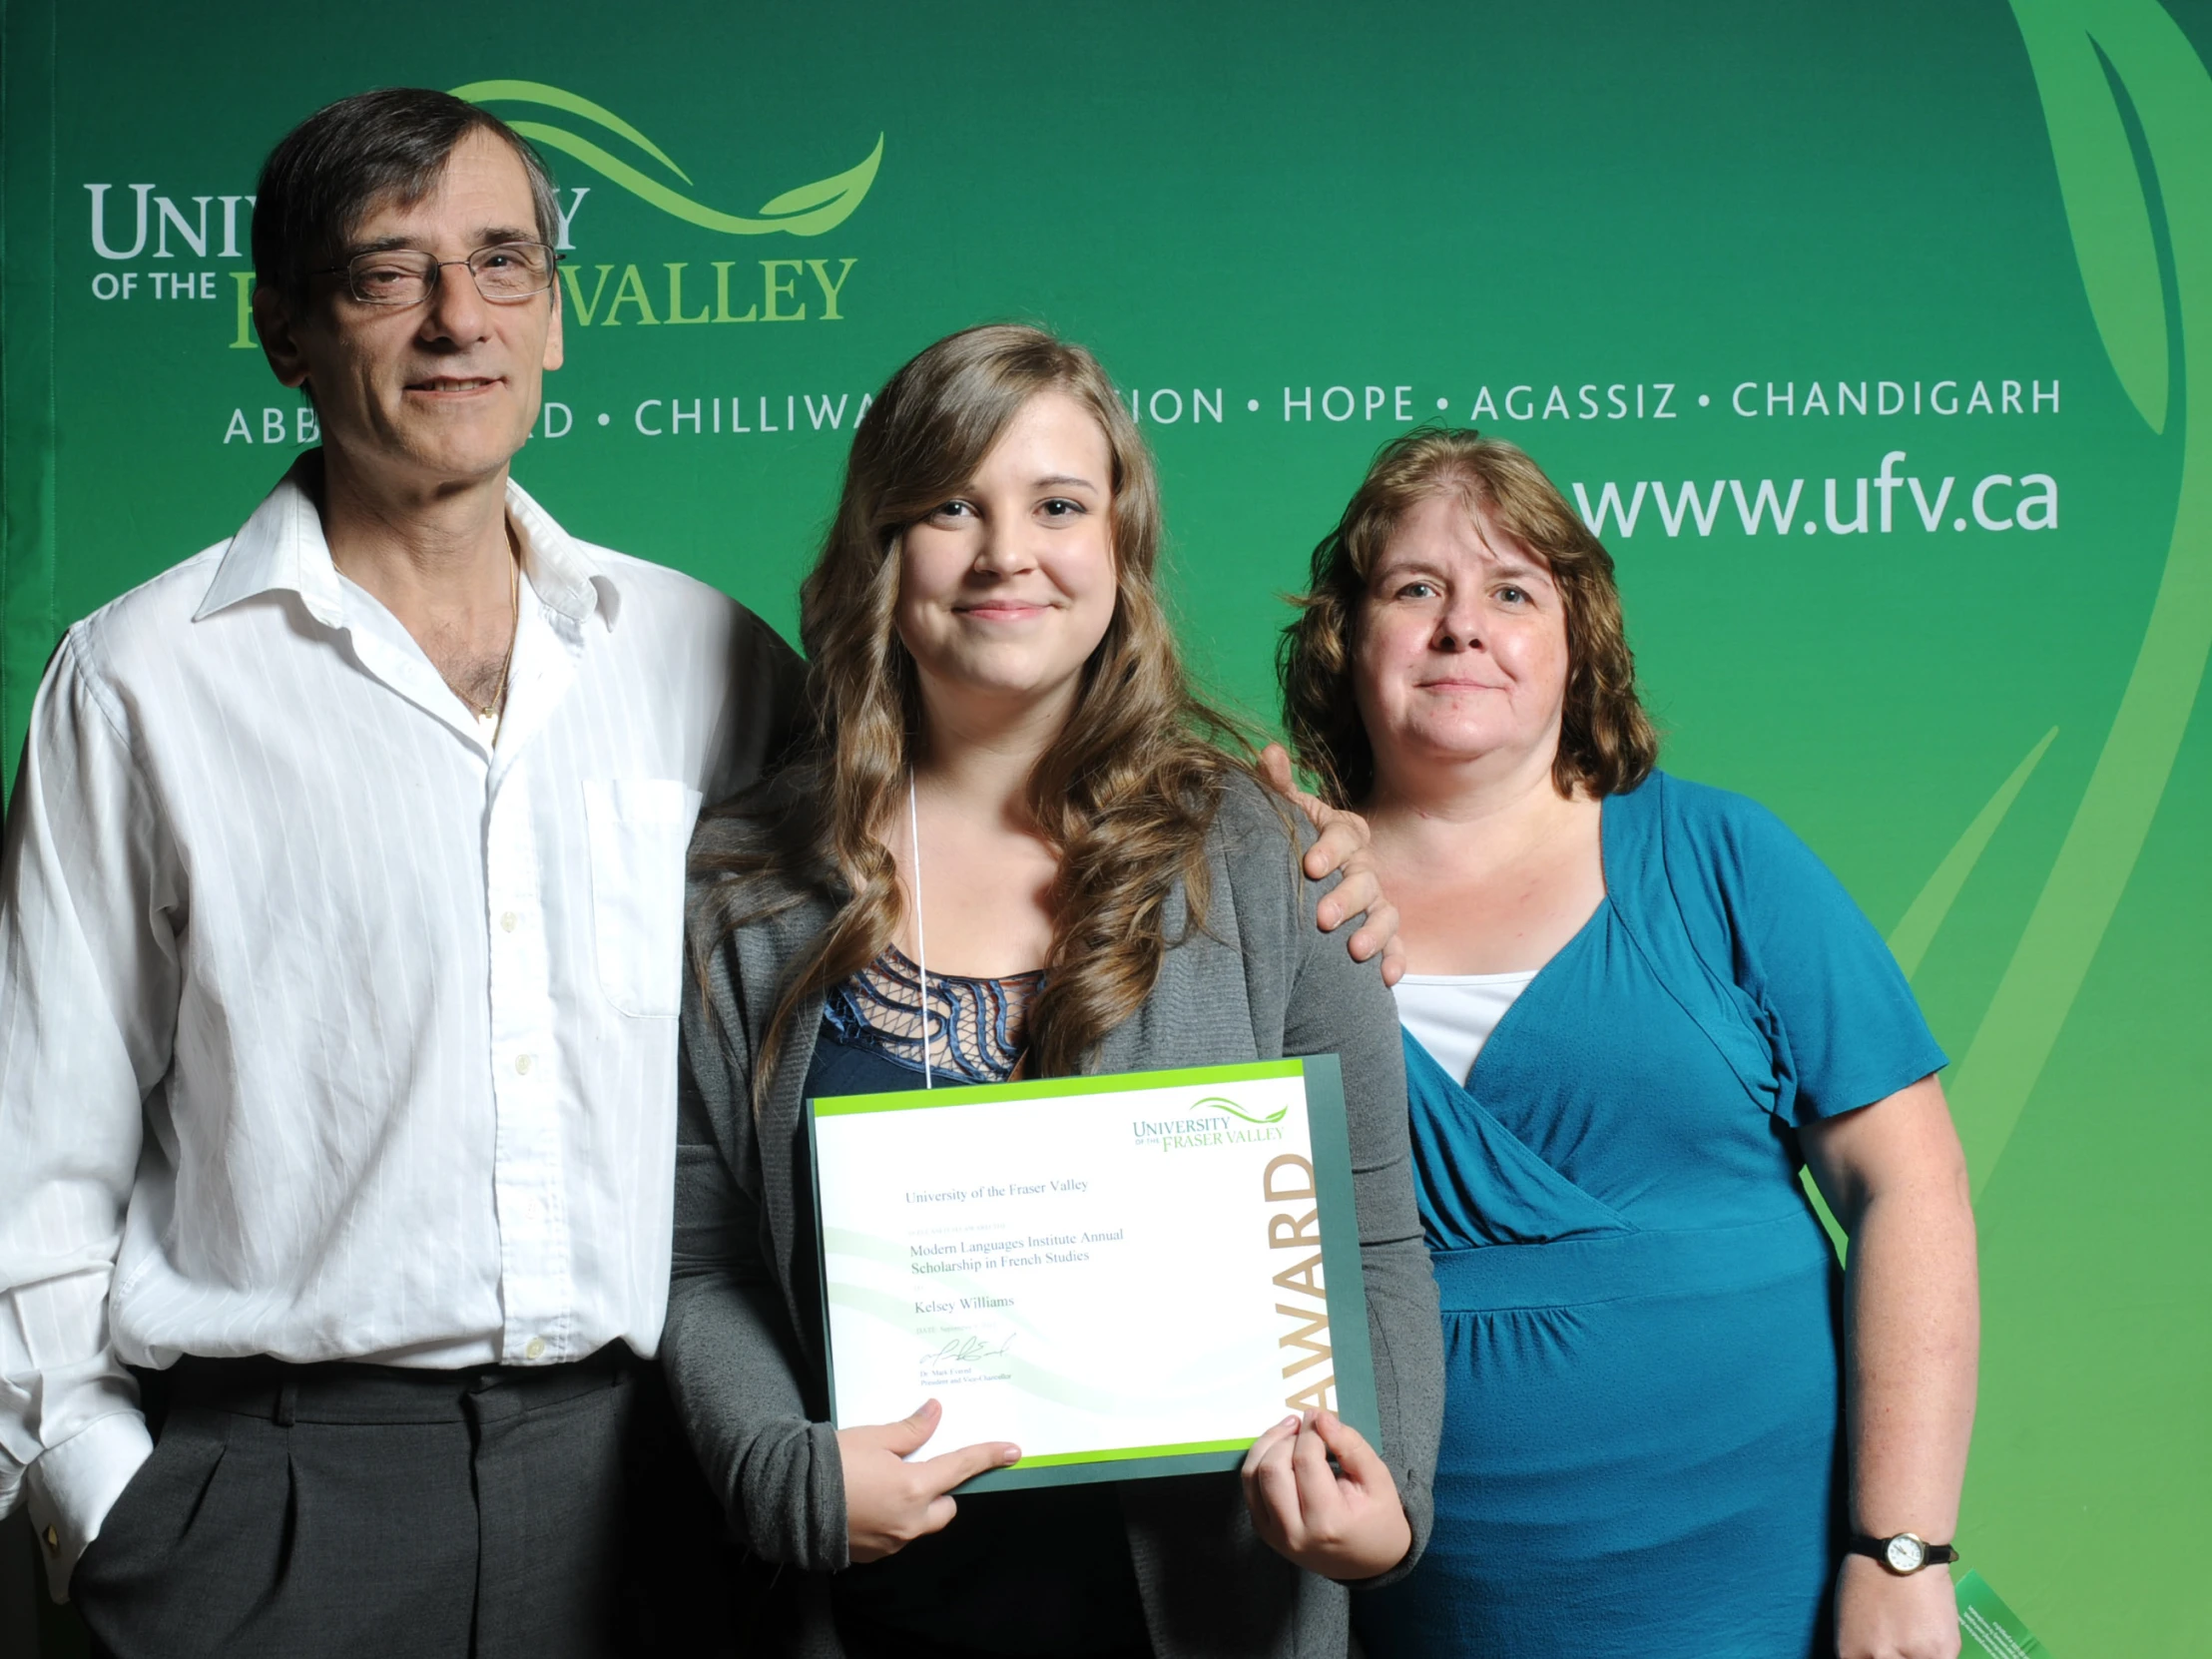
[324, 1511]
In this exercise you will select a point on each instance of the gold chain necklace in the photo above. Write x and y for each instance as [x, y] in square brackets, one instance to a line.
[515, 627]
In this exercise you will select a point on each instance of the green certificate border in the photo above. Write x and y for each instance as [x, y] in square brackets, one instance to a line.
[1342, 1275]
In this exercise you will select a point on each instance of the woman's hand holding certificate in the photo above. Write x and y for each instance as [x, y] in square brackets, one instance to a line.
[890, 1502]
[1345, 1523]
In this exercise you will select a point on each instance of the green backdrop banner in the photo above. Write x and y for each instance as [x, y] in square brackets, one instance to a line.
[1866, 334]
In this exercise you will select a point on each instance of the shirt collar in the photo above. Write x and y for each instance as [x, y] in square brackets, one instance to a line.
[567, 578]
[282, 546]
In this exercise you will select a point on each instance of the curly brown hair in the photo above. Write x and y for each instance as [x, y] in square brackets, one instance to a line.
[1607, 743]
[1125, 797]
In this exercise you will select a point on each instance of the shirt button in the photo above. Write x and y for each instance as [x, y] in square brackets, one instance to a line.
[52, 1540]
[522, 1065]
[507, 923]
[535, 1349]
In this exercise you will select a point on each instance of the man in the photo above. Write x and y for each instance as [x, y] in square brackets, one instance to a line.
[342, 920]
[341, 942]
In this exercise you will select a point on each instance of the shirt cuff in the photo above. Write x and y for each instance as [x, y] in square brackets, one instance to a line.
[73, 1485]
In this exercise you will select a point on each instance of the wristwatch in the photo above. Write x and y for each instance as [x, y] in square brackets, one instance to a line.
[1905, 1553]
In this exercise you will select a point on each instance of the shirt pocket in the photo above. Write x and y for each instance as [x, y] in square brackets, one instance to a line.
[640, 829]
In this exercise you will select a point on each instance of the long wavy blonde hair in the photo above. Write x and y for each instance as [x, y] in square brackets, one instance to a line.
[1124, 798]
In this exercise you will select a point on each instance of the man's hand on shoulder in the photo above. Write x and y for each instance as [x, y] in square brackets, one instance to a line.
[1346, 844]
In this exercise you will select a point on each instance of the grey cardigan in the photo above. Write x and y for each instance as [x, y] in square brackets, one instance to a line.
[744, 1361]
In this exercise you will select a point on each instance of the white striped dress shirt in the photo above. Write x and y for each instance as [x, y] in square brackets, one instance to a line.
[326, 1030]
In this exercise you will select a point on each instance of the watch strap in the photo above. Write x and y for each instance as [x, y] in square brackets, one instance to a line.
[1933, 1555]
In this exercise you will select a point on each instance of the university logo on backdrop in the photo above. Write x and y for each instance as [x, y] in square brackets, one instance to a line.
[776, 294]
[149, 247]
[152, 248]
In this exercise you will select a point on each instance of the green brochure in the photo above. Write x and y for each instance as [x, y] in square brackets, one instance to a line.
[1987, 1629]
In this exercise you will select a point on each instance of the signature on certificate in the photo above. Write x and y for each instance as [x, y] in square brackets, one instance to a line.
[969, 1349]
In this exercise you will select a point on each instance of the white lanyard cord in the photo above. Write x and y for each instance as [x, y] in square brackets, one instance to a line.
[921, 939]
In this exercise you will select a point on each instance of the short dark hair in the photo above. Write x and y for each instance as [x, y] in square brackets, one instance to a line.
[327, 173]
[1606, 741]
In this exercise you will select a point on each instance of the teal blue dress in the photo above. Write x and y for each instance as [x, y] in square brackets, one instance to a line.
[1643, 1438]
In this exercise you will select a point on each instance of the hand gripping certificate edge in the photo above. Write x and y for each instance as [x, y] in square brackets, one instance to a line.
[1343, 1279]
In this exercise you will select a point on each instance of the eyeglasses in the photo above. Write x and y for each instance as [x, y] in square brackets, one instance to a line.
[504, 273]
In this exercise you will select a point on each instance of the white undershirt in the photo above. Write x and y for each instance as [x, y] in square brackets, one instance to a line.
[1453, 1014]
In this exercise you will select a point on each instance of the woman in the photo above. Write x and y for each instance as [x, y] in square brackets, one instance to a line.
[1005, 762]
[1634, 1007]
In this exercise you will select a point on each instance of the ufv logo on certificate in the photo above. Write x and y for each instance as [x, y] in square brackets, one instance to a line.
[1126, 1276]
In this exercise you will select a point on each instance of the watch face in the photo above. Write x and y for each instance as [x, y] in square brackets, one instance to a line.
[1905, 1554]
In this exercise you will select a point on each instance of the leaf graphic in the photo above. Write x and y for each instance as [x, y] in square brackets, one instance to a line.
[556, 98]
[2105, 208]
[854, 181]
[2172, 96]
[1216, 1103]
[808, 211]
[1916, 929]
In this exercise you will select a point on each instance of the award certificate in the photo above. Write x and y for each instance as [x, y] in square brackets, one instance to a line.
[1126, 1276]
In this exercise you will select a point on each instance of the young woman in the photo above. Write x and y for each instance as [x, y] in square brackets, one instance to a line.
[1001, 725]
[1635, 1009]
